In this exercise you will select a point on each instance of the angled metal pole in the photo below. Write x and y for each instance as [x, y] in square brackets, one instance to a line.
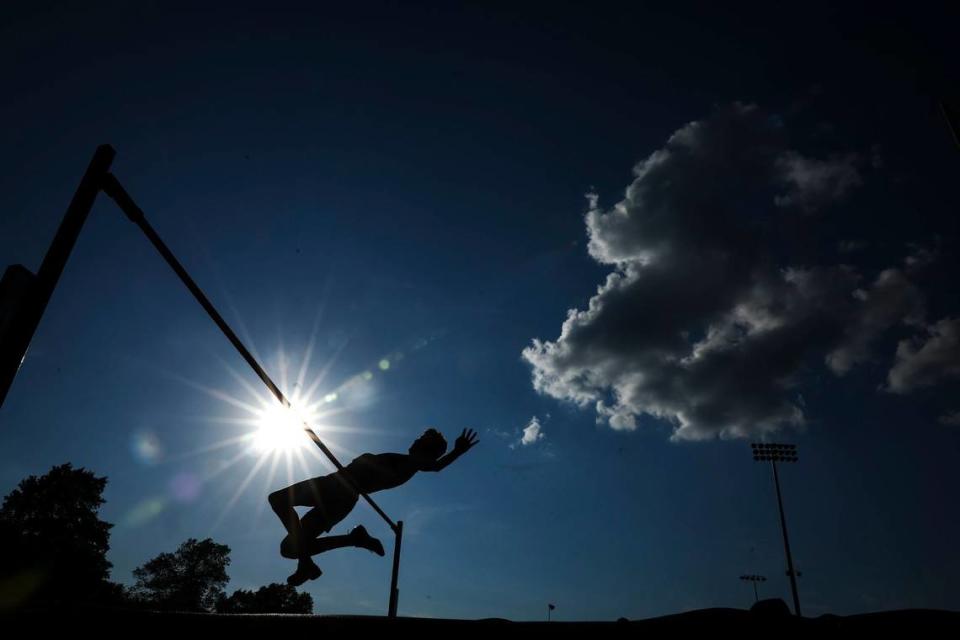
[786, 543]
[112, 187]
[31, 306]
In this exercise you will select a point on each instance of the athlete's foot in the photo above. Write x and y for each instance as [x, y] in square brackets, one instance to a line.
[365, 540]
[306, 570]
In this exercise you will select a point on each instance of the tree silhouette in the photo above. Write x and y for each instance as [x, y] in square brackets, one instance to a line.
[273, 598]
[53, 544]
[190, 579]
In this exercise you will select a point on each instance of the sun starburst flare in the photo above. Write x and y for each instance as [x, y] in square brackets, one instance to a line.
[266, 438]
[280, 428]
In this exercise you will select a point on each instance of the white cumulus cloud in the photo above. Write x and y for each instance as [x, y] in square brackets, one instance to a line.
[702, 322]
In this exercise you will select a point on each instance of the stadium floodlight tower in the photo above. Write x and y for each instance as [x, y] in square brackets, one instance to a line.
[774, 453]
[754, 579]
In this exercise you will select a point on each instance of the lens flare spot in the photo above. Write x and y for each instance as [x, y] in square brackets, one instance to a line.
[17, 588]
[384, 364]
[146, 447]
[185, 487]
[144, 512]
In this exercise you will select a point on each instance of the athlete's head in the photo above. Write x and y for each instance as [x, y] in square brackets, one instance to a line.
[430, 445]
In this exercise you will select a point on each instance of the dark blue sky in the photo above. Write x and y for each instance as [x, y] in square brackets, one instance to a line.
[409, 181]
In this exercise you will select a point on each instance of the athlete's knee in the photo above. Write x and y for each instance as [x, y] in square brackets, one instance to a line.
[279, 499]
[288, 549]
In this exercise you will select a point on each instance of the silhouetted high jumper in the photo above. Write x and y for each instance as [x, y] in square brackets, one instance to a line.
[332, 498]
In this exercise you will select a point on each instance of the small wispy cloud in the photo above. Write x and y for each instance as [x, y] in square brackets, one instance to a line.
[532, 433]
[851, 246]
[519, 437]
[920, 257]
[526, 467]
[500, 434]
[923, 361]
[951, 419]
[813, 182]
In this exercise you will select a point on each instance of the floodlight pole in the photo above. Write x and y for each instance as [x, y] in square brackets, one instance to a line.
[754, 579]
[763, 451]
[786, 543]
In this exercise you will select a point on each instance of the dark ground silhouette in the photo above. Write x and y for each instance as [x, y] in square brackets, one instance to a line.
[53, 544]
[714, 622]
[191, 578]
[53, 548]
[53, 519]
[273, 598]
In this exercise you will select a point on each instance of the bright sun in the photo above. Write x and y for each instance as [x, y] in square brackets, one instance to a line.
[273, 435]
[279, 428]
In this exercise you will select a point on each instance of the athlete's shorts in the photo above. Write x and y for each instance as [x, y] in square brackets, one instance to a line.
[331, 498]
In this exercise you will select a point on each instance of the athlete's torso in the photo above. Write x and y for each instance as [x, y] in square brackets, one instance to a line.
[371, 472]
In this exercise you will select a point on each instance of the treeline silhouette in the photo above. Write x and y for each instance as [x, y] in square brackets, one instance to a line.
[53, 554]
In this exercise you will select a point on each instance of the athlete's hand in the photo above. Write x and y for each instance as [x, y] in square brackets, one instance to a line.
[466, 440]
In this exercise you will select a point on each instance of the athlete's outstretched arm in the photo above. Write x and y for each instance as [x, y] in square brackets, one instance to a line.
[466, 441]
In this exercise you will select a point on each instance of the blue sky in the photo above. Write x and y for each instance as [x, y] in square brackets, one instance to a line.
[412, 182]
